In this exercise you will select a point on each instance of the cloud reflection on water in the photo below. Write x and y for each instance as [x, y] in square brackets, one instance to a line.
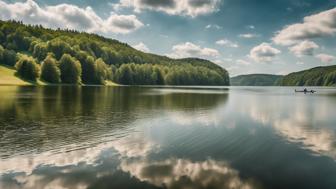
[184, 173]
[295, 120]
[186, 144]
[49, 170]
[129, 155]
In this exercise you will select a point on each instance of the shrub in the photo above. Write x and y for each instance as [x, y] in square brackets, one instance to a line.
[50, 71]
[71, 69]
[27, 68]
[8, 57]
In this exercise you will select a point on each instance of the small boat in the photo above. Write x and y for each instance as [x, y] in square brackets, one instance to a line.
[305, 91]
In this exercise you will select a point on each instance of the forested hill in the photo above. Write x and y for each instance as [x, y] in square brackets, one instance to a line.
[255, 80]
[66, 56]
[319, 76]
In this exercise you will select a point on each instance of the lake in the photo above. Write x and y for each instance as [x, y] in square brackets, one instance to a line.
[156, 137]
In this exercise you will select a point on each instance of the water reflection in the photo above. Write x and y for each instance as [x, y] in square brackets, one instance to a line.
[75, 169]
[38, 103]
[184, 173]
[48, 118]
[126, 159]
[71, 137]
[83, 137]
[307, 121]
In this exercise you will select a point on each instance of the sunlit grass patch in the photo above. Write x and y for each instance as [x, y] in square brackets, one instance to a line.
[8, 77]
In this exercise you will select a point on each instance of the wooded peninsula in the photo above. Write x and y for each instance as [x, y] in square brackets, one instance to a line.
[72, 57]
[32, 54]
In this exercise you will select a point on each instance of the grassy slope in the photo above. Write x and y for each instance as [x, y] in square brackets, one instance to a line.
[8, 77]
[111, 83]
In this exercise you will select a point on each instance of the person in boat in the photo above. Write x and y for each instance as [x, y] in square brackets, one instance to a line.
[305, 90]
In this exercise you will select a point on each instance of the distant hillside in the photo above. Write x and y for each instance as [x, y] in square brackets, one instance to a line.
[72, 57]
[319, 76]
[255, 80]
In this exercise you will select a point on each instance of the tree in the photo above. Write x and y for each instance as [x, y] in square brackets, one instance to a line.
[88, 70]
[71, 69]
[18, 40]
[9, 57]
[59, 48]
[50, 71]
[125, 75]
[159, 76]
[40, 51]
[2, 37]
[2, 51]
[101, 71]
[27, 68]
[109, 56]
[94, 46]
[112, 73]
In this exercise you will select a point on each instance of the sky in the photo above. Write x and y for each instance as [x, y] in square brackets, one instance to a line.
[242, 36]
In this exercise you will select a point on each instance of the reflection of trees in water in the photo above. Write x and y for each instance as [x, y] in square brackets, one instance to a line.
[131, 99]
[41, 118]
[36, 103]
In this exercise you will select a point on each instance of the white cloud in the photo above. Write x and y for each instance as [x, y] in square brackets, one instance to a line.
[189, 49]
[242, 62]
[314, 26]
[263, 53]
[232, 68]
[214, 26]
[248, 35]
[141, 47]
[228, 59]
[326, 58]
[304, 48]
[68, 16]
[228, 43]
[122, 23]
[190, 8]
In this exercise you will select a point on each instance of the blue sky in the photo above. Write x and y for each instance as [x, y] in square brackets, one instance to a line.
[243, 36]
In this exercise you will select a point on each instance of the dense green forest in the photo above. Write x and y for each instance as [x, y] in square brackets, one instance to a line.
[319, 76]
[72, 57]
[255, 80]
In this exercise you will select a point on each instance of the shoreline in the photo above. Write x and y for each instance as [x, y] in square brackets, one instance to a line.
[8, 77]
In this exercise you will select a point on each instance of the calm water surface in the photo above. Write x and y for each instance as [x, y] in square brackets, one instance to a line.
[132, 137]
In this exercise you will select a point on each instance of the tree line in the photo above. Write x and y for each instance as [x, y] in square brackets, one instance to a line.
[319, 76]
[72, 57]
[255, 80]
